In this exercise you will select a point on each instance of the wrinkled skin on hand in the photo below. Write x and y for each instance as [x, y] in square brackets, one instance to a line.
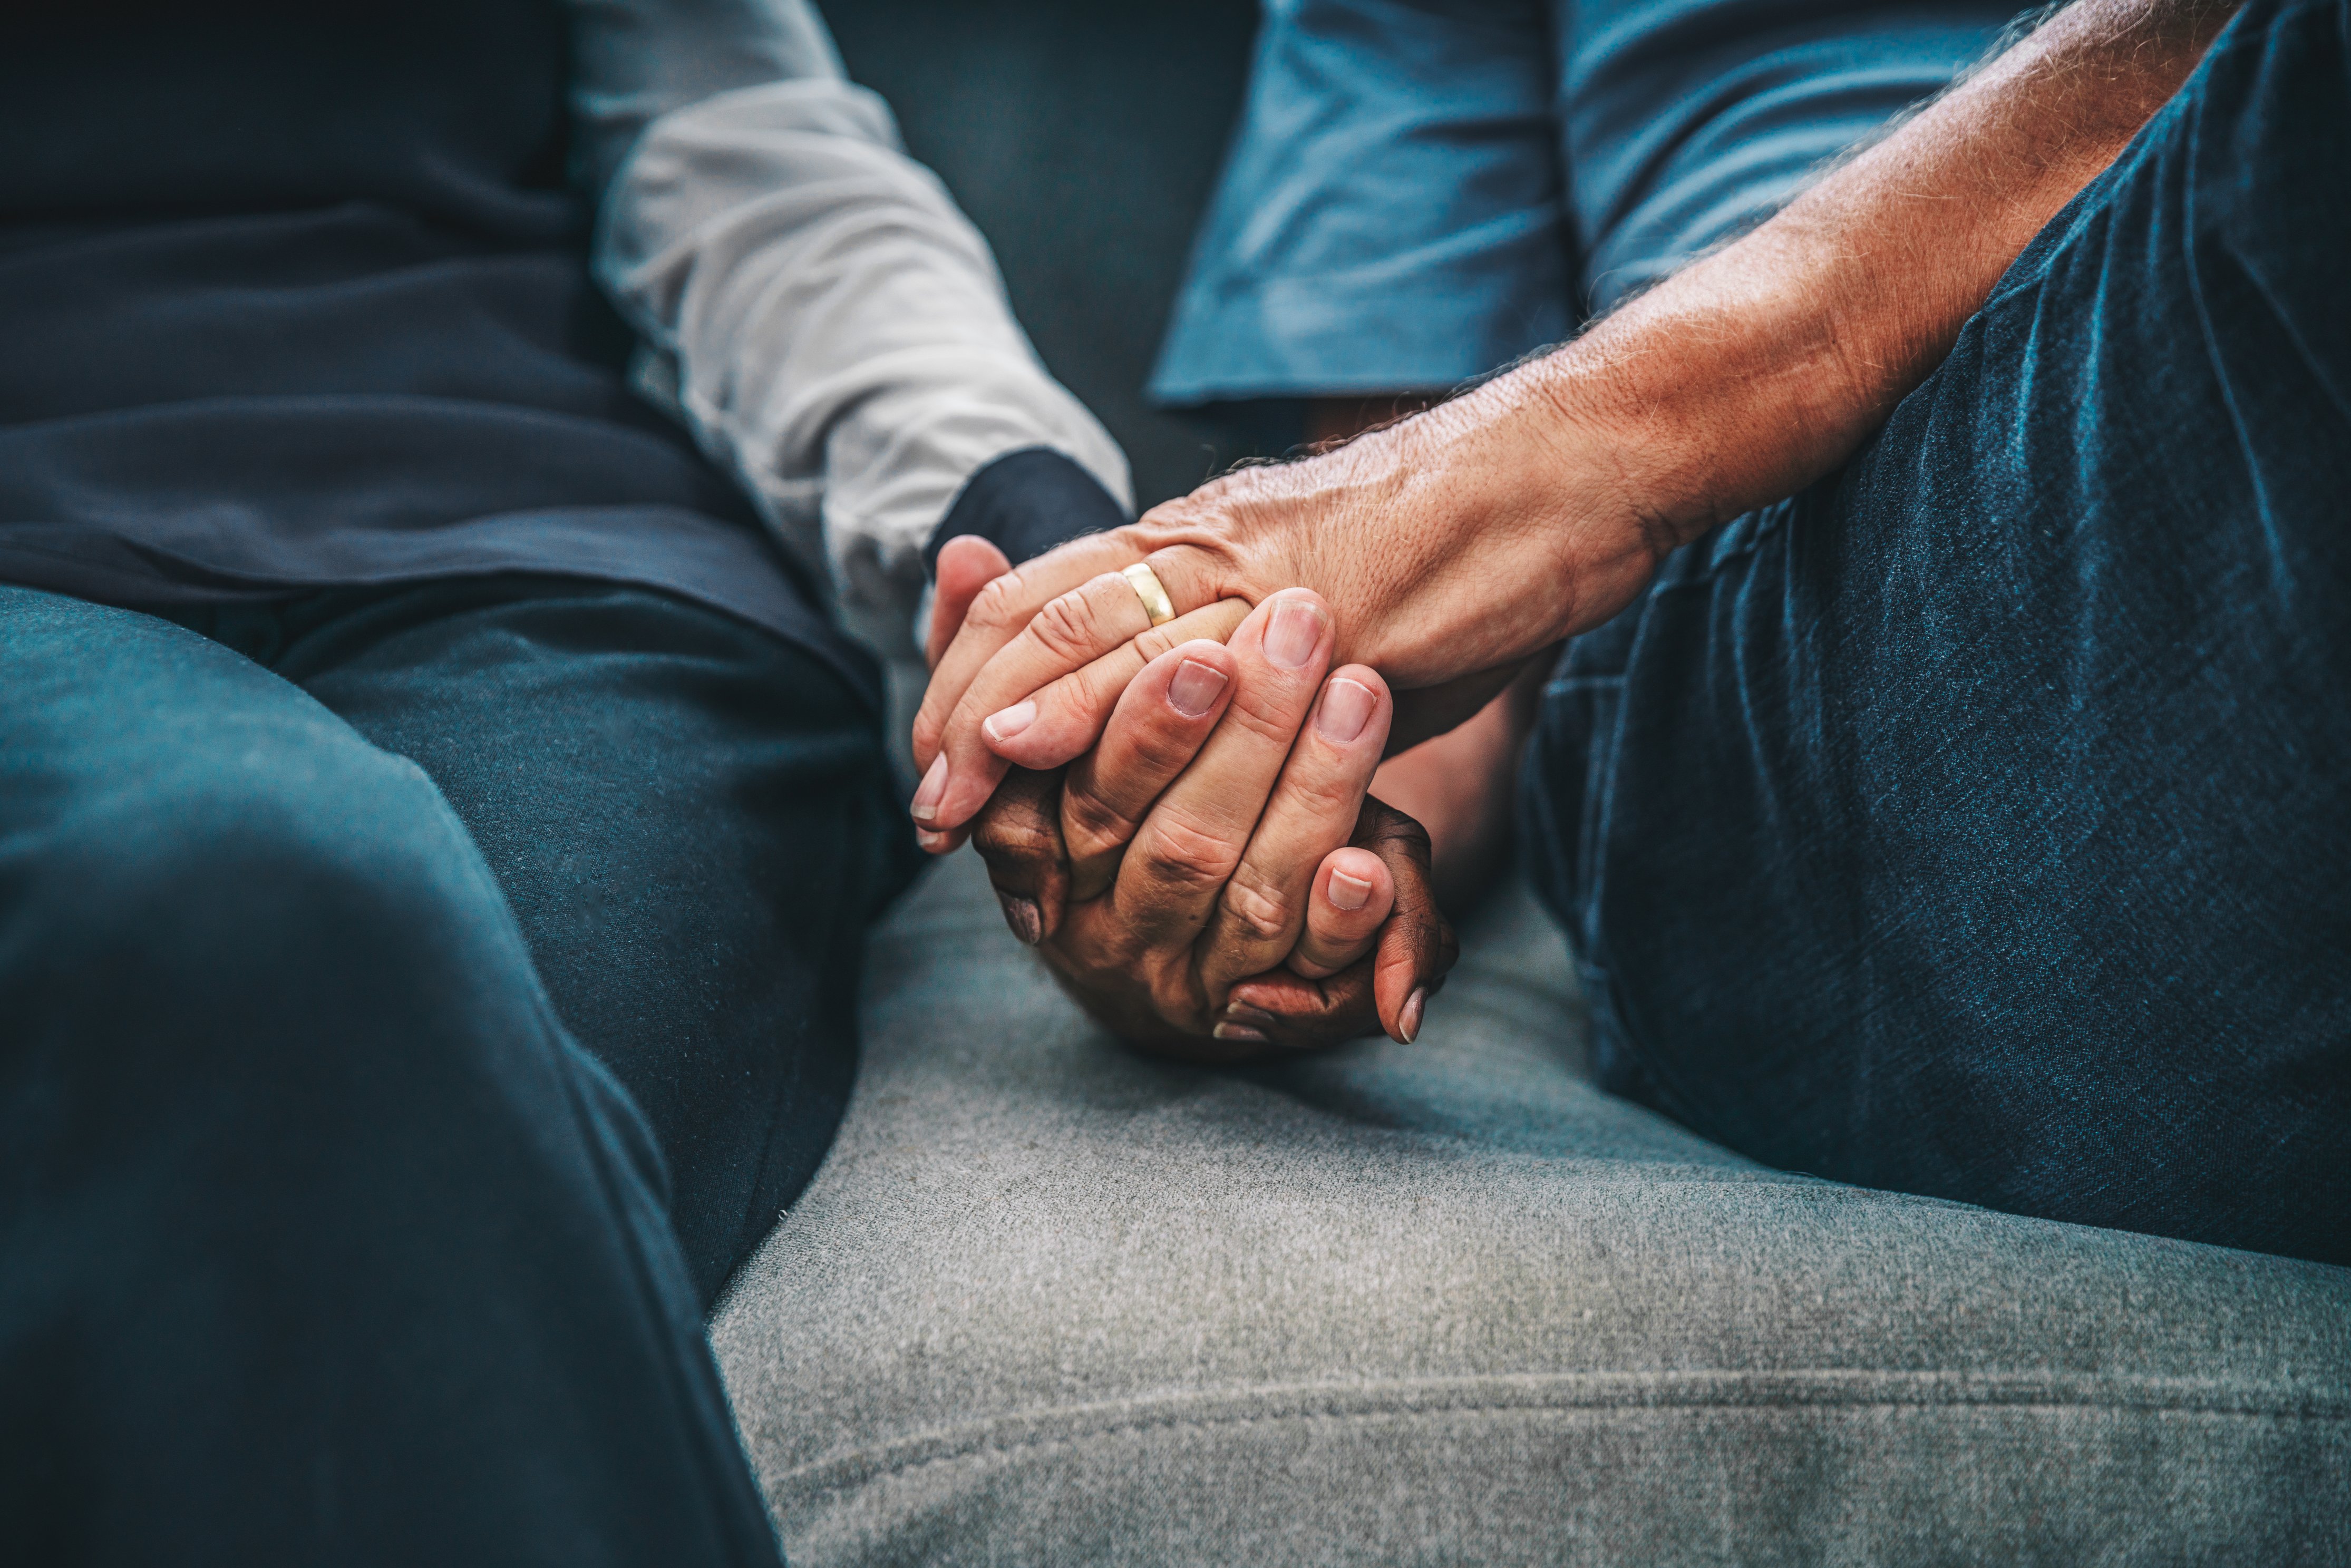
[1153, 995]
[1441, 576]
[1211, 876]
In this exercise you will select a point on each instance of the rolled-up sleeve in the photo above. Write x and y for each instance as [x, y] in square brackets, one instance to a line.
[1689, 121]
[826, 319]
[1391, 213]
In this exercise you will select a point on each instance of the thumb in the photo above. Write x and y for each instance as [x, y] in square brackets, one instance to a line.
[1415, 944]
[967, 563]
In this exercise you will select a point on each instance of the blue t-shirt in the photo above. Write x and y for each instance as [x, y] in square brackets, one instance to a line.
[1423, 191]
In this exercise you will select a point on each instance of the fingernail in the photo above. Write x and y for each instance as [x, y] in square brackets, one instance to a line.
[1236, 1032]
[1409, 1019]
[1346, 708]
[1291, 635]
[1193, 690]
[1004, 725]
[1349, 892]
[931, 841]
[1242, 1013]
[934, 791]
[1021, 915]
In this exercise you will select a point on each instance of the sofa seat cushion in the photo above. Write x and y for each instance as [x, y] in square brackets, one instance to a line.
[1049, 1301]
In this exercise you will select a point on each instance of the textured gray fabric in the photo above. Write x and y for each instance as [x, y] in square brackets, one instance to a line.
[1049, 1302]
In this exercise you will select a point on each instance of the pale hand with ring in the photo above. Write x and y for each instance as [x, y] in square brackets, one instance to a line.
[1454, 546]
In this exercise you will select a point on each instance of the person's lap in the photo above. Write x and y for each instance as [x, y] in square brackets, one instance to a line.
[304, 1170]
[1976, 823]
[693, 822]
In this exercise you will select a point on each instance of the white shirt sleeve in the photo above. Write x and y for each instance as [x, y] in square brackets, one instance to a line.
[825, 320]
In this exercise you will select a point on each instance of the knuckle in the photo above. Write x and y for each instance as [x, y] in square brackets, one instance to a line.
[1349, 1010]
[1179, 999]
[1095, 687]
[1262, 912]
[1323, 792]
[998, 604]
[1093, 824]
[1150, 644]
[1093, 872]
[1187, 859]
[1160, 755]
[1067, 626]
[1320, 1009]
[1262, 715]
[1013, 835]
[1391, 833]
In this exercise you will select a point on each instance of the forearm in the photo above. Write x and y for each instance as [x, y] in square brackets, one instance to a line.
[1454, 546]
[1754, 372]
[820, 312]
[1816, 325]
[633, 61]
[838, 327]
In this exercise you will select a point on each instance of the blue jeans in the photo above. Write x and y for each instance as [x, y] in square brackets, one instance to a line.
[412, 1004]
[1977, 822]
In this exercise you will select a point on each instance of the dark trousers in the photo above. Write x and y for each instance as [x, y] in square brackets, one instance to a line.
[412, 1006]
[1977, 823]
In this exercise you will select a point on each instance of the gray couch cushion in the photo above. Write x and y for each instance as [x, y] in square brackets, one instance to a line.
[1051, 1302]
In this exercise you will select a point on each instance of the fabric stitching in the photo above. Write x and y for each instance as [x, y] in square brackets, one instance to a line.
[859, 1469]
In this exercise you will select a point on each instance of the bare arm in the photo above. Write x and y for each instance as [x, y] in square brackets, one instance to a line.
[1454, 545]
[1758, 370]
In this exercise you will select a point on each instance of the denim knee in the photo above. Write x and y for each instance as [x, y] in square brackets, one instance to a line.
[285, 895]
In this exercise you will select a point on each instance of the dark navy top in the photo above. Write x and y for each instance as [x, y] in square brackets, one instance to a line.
[294, 296]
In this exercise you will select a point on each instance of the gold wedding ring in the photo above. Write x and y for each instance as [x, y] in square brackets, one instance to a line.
[1155, 602]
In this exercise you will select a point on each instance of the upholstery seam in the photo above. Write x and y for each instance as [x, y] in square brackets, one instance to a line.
[2325, 1409]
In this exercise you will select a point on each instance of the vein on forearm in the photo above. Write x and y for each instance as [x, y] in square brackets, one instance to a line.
[1762, 365]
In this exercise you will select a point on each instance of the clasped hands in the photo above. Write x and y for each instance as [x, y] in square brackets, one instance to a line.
[1208, 875]
[1211, 782]
[1177, 815]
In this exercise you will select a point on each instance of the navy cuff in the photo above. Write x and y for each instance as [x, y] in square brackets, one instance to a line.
[1025, 503]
